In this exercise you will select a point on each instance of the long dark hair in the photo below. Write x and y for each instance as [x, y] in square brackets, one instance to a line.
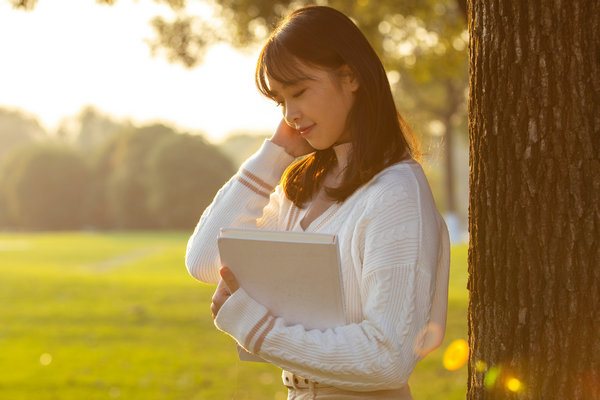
[324, 37]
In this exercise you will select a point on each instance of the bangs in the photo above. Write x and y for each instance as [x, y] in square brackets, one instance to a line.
[278, 63]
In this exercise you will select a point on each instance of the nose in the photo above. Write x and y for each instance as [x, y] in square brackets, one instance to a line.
[291, 114]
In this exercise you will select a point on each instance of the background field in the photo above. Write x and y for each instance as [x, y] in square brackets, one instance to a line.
[116, 316]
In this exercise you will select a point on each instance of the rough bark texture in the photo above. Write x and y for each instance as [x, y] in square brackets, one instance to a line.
[534, 207]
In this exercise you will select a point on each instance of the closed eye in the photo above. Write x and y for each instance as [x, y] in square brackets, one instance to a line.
[295, 96]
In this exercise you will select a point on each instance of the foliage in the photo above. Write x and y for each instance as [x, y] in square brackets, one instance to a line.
[98, 211]
[101, 174]
[44, 187]
[184, 173]
[89, 129]
[127, 186]
[17, 129]
[238, 147]
[117, 316]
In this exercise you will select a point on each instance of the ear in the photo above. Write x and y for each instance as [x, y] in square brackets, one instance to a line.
[349, 78]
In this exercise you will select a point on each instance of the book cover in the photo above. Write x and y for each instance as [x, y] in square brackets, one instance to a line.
[296, 275]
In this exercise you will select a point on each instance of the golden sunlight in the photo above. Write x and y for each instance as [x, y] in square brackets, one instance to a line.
[63, 56]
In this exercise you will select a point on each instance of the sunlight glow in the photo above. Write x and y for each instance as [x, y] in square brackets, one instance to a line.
[65, 55]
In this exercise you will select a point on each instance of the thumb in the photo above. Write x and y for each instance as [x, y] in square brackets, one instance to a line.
[230, 279]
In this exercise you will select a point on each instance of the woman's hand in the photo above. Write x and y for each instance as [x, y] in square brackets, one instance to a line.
[289, 138]
[227, 286]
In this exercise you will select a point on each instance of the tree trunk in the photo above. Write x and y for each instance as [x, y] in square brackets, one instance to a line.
[534, 203]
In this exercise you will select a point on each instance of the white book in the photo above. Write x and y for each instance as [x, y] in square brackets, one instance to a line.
[296, 275]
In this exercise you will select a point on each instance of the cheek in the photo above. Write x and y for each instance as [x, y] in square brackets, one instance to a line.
[342, 111]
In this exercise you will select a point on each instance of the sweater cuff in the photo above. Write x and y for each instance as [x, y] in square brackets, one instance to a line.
[268, 163]
[247, 321]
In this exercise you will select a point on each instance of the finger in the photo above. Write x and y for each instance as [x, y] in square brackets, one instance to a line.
[230, 279]
[222, 289]
[213, 310]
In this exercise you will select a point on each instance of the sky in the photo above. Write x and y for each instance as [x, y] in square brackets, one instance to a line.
[66, 54]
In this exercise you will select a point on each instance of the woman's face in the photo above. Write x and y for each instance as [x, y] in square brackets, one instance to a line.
[318, 107]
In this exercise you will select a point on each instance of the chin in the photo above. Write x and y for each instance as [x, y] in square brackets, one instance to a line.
[321, 145]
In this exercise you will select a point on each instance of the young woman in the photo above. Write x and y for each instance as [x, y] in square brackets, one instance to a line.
[357, 178]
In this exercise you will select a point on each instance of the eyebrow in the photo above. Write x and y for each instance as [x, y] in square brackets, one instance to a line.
[296, 82]
[286, 85]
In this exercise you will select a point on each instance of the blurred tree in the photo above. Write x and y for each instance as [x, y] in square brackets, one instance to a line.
[534, 256]
[421, 42]
[184, 174]
[239, 146]
[43, 187]
[89, 129]
[127, 185]
[18, 129]
[6, 219]
[97, 206]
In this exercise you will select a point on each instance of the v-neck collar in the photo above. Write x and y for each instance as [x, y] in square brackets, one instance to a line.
[320, 220]
[321, 204]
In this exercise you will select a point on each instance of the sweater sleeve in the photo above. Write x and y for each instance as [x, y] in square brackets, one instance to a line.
[247, 200]
[380, 351]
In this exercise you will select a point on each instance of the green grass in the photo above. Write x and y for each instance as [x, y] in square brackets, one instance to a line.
[116, 316]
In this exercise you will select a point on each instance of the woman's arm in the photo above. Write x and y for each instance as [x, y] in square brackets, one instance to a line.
[246, 200]
[381, 351]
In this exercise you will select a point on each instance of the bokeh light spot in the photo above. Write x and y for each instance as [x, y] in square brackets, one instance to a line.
[456, 355]
[480, 366]
[45, 359]
[513, 384]
[491, 377]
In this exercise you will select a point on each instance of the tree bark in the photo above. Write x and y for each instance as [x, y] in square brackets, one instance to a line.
[534, 203]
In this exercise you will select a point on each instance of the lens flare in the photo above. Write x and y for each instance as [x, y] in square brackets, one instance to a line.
[491, 377]
[513, 384]
[456, 355]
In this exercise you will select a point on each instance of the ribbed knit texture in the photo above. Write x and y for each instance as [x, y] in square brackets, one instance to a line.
[395, 261]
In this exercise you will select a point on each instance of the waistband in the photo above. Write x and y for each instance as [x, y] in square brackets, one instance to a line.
[300, 385]
[293, 381]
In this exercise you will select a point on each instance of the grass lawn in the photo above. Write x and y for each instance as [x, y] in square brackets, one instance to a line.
[116, 316]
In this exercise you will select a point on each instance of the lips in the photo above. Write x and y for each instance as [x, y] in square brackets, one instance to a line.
[306, 130]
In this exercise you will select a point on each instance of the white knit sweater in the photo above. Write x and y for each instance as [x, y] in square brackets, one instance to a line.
[395, 262]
